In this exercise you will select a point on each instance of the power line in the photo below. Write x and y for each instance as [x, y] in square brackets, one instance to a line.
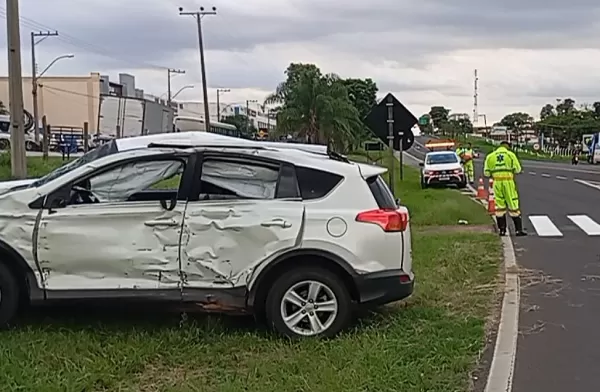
[81, 44]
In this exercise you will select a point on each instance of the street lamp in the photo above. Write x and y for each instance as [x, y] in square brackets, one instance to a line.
[64, 56]
[180, 90]
[34, 80]
[219, 91]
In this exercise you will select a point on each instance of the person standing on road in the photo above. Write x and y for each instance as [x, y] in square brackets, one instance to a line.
[502, 165]
[467, 155]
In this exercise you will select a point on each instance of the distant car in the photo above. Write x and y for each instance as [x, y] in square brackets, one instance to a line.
[442, 168]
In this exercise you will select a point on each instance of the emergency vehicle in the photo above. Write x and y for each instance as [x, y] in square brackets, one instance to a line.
[442, 166]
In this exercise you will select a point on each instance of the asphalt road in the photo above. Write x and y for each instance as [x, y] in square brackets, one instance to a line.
[558, 347]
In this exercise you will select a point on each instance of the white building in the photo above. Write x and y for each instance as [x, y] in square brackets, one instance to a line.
[257, 116]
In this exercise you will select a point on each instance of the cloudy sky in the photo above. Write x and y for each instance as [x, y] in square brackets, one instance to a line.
[528, 52]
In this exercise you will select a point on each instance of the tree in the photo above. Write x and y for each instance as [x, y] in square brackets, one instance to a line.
[596, 106]
[547, 111]
[439, 116]
[516, 120]
[241, 123]
[567, 106]
[3, 109]
[316, 108]
[362, 94]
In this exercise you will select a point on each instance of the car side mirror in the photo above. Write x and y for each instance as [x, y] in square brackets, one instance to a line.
[170, 206]
[421, 164]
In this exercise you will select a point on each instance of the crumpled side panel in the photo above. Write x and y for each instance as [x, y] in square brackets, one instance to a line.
[223, 242]
[110, 247]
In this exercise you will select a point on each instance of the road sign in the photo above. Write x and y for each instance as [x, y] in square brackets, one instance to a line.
[424, 119]
[404, 120]
[536, 146]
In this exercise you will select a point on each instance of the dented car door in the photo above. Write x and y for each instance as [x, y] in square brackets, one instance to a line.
[122, 241]
[237, 224]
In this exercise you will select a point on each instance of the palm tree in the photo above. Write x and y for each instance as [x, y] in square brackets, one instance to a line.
[317, 109]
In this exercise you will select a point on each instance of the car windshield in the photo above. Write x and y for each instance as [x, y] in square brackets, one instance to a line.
[435, 159]
[99, 152]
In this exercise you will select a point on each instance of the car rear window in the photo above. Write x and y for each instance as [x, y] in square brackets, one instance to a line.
[381, 192]
[315, 183]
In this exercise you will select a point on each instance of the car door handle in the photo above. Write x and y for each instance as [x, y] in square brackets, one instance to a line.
[277, 222]
[153, 223]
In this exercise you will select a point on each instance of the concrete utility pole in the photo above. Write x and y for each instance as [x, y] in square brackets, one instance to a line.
[199, 15]
[171, 71]
[34, 83]
[248, 113]
[219, 91]
[15, 87]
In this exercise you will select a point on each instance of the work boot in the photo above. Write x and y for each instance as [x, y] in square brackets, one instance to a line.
[501, 221]
[518, 226]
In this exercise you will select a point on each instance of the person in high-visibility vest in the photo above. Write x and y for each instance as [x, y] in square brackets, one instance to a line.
[467, 155]
[502, 165]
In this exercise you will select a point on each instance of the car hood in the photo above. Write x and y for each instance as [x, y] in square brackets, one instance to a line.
[443, 166]
[6, 185]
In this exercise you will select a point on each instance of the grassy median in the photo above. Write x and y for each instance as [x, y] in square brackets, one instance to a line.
[429, 343]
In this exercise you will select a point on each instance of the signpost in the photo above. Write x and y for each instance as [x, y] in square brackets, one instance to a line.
[392, 123]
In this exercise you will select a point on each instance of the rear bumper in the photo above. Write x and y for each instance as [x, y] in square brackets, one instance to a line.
[383, 287]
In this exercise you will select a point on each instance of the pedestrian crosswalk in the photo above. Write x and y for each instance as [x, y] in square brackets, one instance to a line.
[546, 227]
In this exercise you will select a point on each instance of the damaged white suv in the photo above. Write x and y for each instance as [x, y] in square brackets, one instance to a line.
[296, 238]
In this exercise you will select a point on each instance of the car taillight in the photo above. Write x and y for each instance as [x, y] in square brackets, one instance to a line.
[429, 172]
[390, 220]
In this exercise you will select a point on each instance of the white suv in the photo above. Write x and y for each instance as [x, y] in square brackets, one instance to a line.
[293, 237]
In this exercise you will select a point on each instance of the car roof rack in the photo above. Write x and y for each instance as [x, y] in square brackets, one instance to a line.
[336, 156]
[187, 146]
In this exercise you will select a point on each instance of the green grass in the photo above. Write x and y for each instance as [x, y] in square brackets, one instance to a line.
[36, 166]
[430, 342]
[430, 206]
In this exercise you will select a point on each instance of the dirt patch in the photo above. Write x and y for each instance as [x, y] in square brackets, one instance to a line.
[458, 229]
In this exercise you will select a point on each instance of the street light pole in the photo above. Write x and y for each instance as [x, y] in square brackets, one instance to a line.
[181, 89]
[15, 87]
[219, 91]
[171, 71]
[34, 84]
[199, 15]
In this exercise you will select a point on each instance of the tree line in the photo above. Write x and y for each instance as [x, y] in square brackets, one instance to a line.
[565, 122]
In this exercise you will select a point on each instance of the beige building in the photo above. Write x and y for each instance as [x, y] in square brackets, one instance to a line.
[65, 101]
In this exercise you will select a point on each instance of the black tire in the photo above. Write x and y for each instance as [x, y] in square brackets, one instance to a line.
[9, 297]
[30, 146]
[294, 276]
[462, 185]
[4, 144]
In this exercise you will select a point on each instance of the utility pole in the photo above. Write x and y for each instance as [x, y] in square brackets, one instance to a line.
[219, 91]
[199, 15]
[248, 113]
[15, 87]
[34, 80]
[475, 103]
[171, 71]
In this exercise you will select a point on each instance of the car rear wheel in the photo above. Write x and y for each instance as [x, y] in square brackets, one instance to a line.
[9, 296]
[4, 144]
[308, 302]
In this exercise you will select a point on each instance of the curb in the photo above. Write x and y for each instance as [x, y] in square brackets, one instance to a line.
[501, 372]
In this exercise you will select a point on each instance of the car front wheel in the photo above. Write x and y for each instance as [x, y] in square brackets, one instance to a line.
[308, 302]
[9, 296]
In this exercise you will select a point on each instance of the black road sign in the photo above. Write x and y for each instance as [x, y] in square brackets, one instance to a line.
[404, 120]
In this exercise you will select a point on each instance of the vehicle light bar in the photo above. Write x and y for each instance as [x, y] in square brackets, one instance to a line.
[442, 144]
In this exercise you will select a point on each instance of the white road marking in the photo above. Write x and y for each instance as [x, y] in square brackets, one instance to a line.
[545, 175]
[502, 367]
[544, 226]
[588, 183]
[532, 173]
[586, 224]
[561, 178]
